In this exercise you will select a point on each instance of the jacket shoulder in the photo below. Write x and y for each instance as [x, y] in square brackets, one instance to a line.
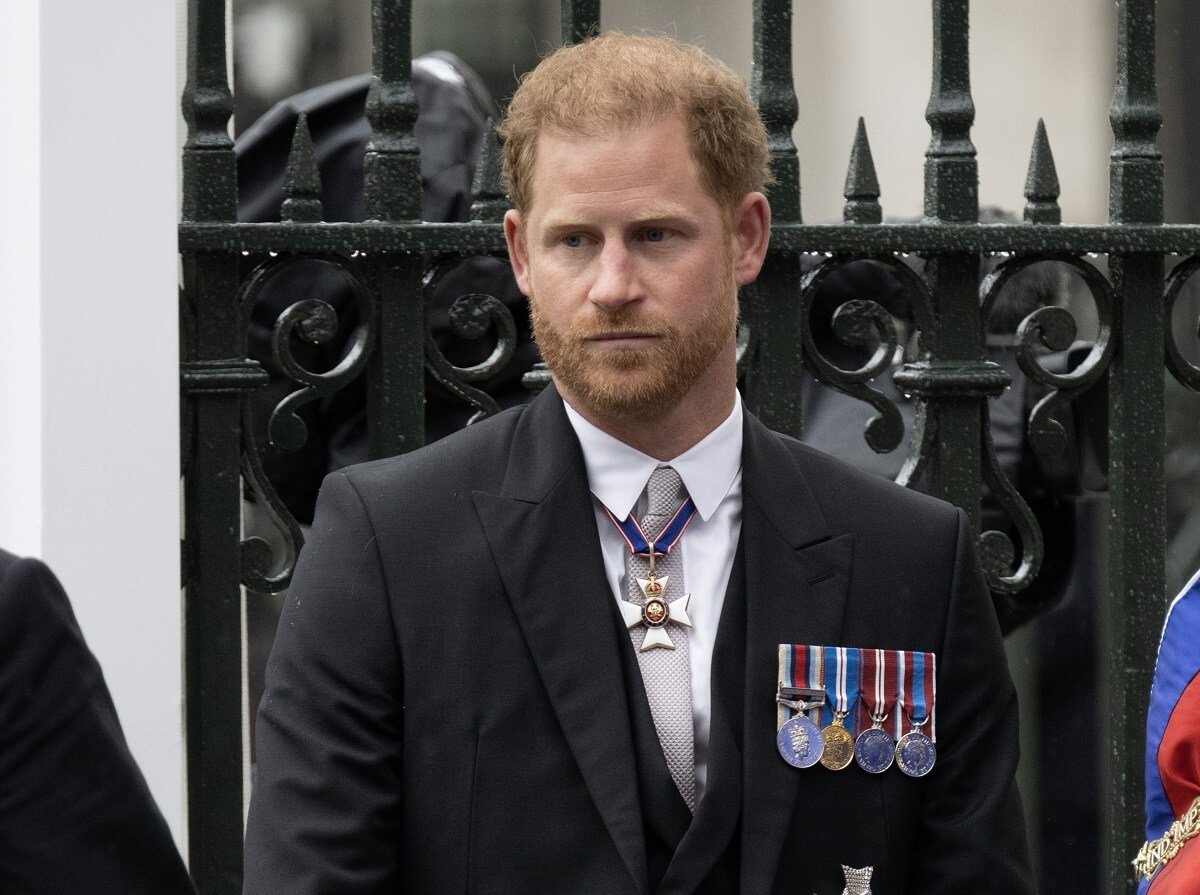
[472, 459]
[844, 490]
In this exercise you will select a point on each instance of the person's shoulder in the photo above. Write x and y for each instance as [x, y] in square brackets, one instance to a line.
[29, 591]
[473, 458]
[851, 492]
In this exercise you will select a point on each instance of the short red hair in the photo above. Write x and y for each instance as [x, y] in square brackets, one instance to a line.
[620, 80]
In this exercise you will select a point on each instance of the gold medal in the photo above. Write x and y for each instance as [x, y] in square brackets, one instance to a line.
[839, 745]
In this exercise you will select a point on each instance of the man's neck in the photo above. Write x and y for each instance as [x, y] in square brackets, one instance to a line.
[663, 435]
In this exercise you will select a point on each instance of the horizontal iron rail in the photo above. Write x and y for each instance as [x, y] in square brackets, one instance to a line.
[480, 237]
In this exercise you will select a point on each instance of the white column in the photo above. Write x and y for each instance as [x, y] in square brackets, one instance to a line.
[20, 275]
[89, 344]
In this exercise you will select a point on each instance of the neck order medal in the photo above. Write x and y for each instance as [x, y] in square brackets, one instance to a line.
[656, 612]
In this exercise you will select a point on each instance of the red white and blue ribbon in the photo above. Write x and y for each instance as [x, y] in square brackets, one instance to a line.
[802, 668]
[639, 544]
[841, 684]
[918, 695]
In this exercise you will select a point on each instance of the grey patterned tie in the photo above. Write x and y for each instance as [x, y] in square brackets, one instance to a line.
[667, 673]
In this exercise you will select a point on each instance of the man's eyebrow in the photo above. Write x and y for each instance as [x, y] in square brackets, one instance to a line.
[654, 214]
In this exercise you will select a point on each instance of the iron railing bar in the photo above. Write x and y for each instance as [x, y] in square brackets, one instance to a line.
[476, 236]
[395, 376]
[952, 196]
[767, 306]
[580, 19]
[212, 488]
[1136, 442]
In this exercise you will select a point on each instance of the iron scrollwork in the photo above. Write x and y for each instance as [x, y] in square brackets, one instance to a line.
[1186, 372]
[1053, 328]
[315, 321]
[857, 323]
[471, 316]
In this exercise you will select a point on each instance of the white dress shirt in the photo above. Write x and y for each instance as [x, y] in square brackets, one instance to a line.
[712, 474]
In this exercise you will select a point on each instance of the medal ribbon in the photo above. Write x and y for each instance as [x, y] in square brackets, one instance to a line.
[639, 544]
[802, 668]
[920, 693]
[797, 671]
[879, 683]
[841, 683]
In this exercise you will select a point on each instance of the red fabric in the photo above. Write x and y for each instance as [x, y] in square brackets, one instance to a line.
[1179, 751]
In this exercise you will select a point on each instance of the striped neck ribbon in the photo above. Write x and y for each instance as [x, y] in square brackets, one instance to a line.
[639, 544]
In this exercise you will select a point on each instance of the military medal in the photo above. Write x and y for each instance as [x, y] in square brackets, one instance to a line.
[841, 688]
[657, 611]
[799, 740]
[916, 752]
[874, 750]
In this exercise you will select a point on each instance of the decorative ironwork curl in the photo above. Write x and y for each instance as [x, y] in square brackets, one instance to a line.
[857, 323]
[997, 554]
[316, 322]
[1186, 372]
[472, 316]
[1054, 328]
[257, 558]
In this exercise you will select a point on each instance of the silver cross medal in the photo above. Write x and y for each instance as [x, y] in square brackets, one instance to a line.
[656, 612]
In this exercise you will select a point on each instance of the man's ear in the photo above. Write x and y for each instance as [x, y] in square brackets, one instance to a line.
[518, 255]
[751, 232]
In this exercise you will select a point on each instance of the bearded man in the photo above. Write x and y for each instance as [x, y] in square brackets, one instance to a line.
[580, 647]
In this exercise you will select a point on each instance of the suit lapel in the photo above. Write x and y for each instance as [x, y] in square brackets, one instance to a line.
[542, 532]
[797, 576]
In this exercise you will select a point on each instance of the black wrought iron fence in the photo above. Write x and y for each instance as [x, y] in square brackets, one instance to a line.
[951, 450]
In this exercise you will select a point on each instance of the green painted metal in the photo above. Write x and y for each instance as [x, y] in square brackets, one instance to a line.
[861, 239]
[301, 179]
[580, 18]
[214, 370]
[386, 259]
[768, 306]
[1136, 440]
[862, 185]
[1041, 185]
[957, 341]
[396, 383]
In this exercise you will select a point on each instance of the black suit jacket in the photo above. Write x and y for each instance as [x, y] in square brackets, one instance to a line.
[75, 812]
[445, 708]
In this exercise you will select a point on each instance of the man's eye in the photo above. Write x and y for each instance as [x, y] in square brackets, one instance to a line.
[655, 234]
[573, 241]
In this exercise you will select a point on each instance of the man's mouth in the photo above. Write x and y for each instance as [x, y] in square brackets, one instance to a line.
[622, 338]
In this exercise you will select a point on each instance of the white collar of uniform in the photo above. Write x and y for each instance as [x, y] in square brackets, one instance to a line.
[617, 473]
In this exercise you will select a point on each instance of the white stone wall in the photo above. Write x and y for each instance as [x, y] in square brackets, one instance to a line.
[89, 377]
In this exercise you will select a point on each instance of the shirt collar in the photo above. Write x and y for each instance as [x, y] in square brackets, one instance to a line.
[617, 473]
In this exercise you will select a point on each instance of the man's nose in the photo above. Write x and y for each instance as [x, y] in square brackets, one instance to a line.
[617, 282]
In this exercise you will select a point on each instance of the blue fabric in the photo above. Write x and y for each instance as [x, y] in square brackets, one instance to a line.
[1178, 663]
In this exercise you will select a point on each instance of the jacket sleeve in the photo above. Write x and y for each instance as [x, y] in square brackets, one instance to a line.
[972, 836]
[75, 812]
[325, 810]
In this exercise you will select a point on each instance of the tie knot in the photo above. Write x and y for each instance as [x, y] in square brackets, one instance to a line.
[664, 492]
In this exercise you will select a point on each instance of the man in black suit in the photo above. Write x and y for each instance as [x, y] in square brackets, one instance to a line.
[483, 680]
[75, 812]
